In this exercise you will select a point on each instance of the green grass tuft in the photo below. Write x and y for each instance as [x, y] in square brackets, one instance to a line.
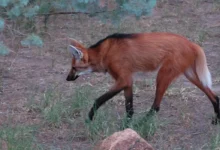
[19, 137]
[215, 142]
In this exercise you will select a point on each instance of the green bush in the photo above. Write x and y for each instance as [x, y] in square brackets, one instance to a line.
[25, 11]
[32, 40]
[3, 49]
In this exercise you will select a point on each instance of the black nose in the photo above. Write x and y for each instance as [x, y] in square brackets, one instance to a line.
[71, 78]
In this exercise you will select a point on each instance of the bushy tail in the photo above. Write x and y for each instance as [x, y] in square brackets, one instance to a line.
[202, 68]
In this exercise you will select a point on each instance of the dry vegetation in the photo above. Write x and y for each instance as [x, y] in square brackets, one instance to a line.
[40, 110]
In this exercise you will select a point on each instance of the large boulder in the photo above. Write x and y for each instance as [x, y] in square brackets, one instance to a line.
[124, 140]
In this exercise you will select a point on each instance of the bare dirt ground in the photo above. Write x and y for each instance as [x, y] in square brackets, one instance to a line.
[184, 121]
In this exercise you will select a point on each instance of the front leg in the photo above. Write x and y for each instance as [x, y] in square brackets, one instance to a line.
[101, 100]
[122, 83]
[128, 93]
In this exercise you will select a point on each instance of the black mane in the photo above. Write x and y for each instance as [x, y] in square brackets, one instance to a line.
[115, 36]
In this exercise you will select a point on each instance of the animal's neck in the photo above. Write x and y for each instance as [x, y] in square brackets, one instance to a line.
[96, 60]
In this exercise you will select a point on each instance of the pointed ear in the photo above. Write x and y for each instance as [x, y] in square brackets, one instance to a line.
[75, 43]
[76, 52]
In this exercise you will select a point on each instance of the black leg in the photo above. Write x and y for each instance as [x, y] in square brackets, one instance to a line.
[217, 112]
[101, 100]
[152, 111]
[216, 107]
[128, 93]
[156, 109]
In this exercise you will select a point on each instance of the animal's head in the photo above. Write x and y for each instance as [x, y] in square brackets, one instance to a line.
[80, 64]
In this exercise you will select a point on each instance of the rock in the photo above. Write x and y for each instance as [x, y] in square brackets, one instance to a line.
[124, 140]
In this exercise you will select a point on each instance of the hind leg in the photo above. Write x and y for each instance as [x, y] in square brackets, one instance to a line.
[165, 76]
[192, 77]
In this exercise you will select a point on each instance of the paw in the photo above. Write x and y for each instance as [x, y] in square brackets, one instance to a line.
[215, 120]
[90, 116]
[152, 112]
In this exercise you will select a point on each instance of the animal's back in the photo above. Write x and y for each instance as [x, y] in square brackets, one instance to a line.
[148, 51]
